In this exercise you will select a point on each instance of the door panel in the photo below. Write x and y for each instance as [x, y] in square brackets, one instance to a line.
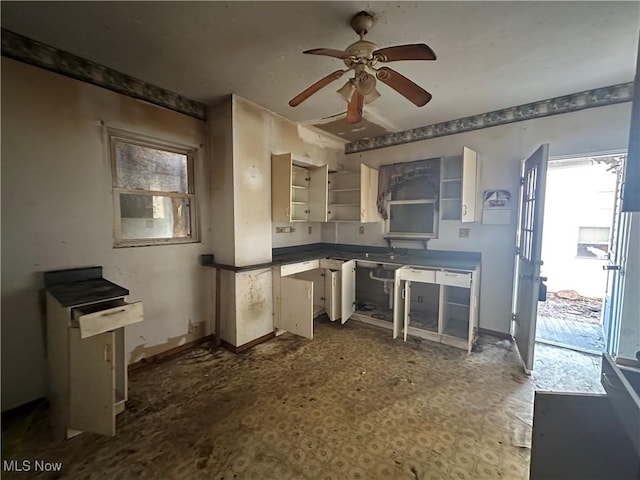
[281, 188]
[528, 261]
[398, 305]
[618, 244]
[348, 289]
[296, 306]
[318, 193]
[92, 382]
[407, 308]
[469, 179]
[368, 194]
[332, 294]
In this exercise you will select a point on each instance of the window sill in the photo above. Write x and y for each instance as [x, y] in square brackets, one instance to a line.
[153, 243]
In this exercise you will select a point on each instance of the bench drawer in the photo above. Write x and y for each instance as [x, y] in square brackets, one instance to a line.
[293, 268]
[91, 322]
[454, 279]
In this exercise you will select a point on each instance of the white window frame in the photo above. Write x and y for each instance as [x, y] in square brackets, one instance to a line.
[416, 235]
[118, 136]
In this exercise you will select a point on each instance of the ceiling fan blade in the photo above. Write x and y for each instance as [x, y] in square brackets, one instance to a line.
[405, 87]
[414, 51]
[354, 108]
[323, 82]
[329, 52]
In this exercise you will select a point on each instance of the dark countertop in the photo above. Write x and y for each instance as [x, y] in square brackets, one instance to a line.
[87, 291]
[454, 260]
[402, 256]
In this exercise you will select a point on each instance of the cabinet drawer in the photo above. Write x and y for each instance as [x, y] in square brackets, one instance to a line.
[455, 279]
[418, 275]
[101, 321]
[331, 263]
[299, 267]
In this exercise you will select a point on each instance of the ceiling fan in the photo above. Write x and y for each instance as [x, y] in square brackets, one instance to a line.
[362, 57]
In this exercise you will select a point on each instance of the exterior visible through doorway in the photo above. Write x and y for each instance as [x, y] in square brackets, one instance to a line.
[578, 216]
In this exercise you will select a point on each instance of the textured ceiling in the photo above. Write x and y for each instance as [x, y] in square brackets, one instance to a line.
[491, 55]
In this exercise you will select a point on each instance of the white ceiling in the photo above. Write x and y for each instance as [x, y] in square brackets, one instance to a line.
[491, 55]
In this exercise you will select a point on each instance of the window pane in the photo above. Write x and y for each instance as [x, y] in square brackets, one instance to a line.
[593, 235]
[411, 218]
[150, 168]
[154, 216]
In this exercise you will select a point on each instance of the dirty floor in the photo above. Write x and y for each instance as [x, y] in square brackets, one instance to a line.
[350, 404]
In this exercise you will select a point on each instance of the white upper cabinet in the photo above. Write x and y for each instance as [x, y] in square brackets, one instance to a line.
[298, 193]
[352, 196]
[458, 187]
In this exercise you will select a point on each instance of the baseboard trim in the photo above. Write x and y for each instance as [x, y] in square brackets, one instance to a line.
[24, 409]
[172, 352]
[493, 333]
[247, 346]
[628, 362]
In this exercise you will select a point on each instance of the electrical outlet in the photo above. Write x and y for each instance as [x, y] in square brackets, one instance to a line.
[196, 328]
[420, 299]
[463, 233]
[310, 229]
[361, 230]
[284, 229]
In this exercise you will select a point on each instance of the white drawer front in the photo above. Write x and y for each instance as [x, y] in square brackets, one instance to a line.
[418, 275]
[331, 263]
[109, 319]
[455, 279]
[299, 267]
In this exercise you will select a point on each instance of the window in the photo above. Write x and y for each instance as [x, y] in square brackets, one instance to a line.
[153, 192]
[413, 209]
[593, 242]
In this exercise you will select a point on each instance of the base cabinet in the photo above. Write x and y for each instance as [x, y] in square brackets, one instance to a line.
[86, 362]
[304, 290]
[437, 304]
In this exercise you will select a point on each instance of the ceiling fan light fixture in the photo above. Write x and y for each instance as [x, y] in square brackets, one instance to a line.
[371, 96]
[366, 83]
[347, 90]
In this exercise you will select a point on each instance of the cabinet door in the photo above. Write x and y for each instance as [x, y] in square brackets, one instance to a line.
[281, 188]
[469, 179]
[348, 289]
[92, 382]
[296, 306]
[332, 294]
[398, 305]
[368, 194]
[318, 193]
[407, 308]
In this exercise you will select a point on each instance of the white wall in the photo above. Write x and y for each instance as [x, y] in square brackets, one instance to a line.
[57, 212]
[501, 150]
[576, 196]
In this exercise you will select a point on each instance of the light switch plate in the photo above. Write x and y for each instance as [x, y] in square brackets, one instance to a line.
[463, 233]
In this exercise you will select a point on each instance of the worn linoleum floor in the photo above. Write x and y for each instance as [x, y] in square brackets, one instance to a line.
[350, 404]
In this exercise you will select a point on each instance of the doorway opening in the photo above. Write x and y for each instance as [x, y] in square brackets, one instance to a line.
[578, 220]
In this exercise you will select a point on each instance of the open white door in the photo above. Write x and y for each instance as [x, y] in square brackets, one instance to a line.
[529, 252]
[296, 306]
[348, 289]
[618, 244]
[92, 392]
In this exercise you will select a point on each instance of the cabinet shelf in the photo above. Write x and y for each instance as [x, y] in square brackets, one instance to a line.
[300, 203]
[344, 189]
[344, 204]
[451, 180]
[302, 187]
[458, 304]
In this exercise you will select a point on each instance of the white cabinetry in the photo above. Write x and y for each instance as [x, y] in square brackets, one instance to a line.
[298, 192]
[304, 290]
[87, 368]
[352, 196]
[453, 320]
[458, 186]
